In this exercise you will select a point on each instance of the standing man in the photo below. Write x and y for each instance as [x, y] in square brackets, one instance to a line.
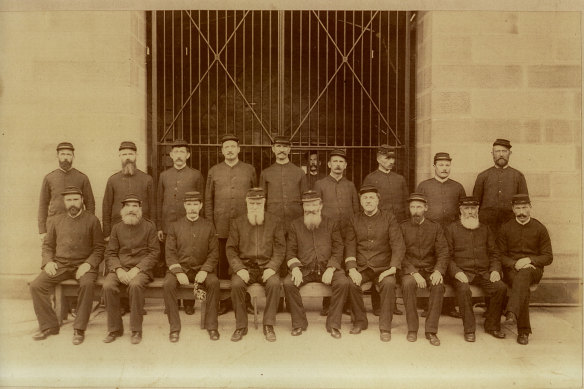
[191, 255]
[424, 265]
[130, 256]
[50, 201]
[314, 254]
[313, 174]
[255, 250]
[475, 262]
[495, 187]
[73, 248]
[525, 248]
[227, 184]
[375, 250]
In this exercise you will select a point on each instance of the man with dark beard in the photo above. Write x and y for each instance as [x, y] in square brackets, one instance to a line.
[313, 173]
[54, 183]
[314, 254]
[191, 255]
[73, 248]
[424, 265]
[130, 256]
[255, 250]
[474, 261]
[128, 180]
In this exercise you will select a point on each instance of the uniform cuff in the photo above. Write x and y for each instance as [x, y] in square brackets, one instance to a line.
[294, 262]
[176, 268]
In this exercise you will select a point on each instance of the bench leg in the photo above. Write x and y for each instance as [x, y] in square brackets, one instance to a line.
[59, 303]
[203, 313]
[254, 302]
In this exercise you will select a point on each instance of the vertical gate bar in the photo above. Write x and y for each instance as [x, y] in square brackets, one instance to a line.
[281, 68]
[182, 93]
[377, 57]
[270, 70]
[291, 56]
[154, 93]
[163, 71]
[309, 70]
[252, 45]
[361, 100]
[209, 60]
[336, 21]
[200, 116]
[190, 83]
[243, 77]
[224, 78]
[354, 164]
[326, 105]
[235, 70]
[172, 72]
[216, 75]
[388, 55]
[299, 75]
[261, 79]
[370, 61]
[344, 108]
[396, 73]
[317, 79]
[407, 123]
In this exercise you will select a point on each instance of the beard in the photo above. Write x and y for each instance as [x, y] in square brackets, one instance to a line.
[470, 222]
[417, 218]
[501, 162]
[131, 217]
[65, 165]
[128, 168]
[256, 218]
[73, 210]
[312, 220]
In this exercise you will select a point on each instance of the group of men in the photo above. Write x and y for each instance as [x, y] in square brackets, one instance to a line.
[284, 232]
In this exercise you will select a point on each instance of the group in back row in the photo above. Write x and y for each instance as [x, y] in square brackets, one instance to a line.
[331, 234]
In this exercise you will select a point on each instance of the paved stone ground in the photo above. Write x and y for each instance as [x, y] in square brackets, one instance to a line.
[553, 357]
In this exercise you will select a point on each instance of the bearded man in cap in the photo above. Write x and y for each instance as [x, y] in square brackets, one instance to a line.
[524, 247]
[495, 187]
[255, 250]
[424, 265]
[227, 184]
[191, 255]
[314, 253]
[375, 250]
[474, 261]
[130, 256]
[73, 248]
[54, 183]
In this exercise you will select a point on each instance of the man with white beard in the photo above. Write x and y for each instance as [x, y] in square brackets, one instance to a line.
[131, 254]
[255, 250]
[314, 254]
[474, 262]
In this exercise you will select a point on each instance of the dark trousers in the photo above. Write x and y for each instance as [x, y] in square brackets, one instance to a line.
[238, 291]
[170, 299]
[409, 288]
[111, 290]
[223, 264]
[340, 288]
[42, 286]
[387, 299]
[495, 291]
[518, 303]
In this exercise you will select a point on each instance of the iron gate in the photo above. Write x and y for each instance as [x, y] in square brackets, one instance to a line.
[327, 79]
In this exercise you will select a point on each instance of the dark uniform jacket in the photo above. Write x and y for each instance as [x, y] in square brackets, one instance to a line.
[284, 185]
[339, 198]
[532, 240]
[314, 250]
[443, 198]
[192, 245]
[375, 241]
[117, 187]
[72, 241]
[252, 247]
[172, 185]
[426, 247]
[392, 190]
[51, 202]
[225, 193]
[472, 251]
[131, 246]
[311, 179]
[495, 187]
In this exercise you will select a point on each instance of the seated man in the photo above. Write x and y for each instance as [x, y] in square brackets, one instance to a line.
[524, 247]
[72, 248]
[255, 250]
[424, 264]
[474, 261]
[131, 254]
[314, 254]
[192, 253]
[375, 250]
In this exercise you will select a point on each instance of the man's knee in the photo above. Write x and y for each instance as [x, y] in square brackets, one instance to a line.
[237, 283]
[110, 284]
[387, 282]
[438, 289]
[37, 284]
[500, 287]
[273, 282]
[136, 284]
[170, 282]
[87, 280]
[212, 282]
[409, 282]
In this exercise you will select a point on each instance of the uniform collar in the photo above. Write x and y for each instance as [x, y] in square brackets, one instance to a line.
[441, 180]
[334, 179]
[504, 167]
[528, 220]
[65, 171]
[232, 164]
[179, 169]
[192, 221]
[375, 214]
[283, 163]
[382, 170]
[75, 216]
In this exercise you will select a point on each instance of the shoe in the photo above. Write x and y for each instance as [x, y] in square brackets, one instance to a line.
[469, 336]
[424, 313]
[412, 336]
[434, 341]
[44, 334]
[238, 334]
[356, 330]
[384, 335]
[269, 333]
[78, 337]
[224, 307]
[497, 334]
[112, 336]
[455, 314]
[190, 309]
[397, 311]
[136, 337]
[510, 318]
[298, 331]
[523, 339]
[335, 333]
[377, 311]
[173, 336]
[213, 334]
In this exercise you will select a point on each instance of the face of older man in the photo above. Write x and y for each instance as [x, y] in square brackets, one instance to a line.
[73, 203]
[385, 162]
[337, 165]
[369, 202]
[131, 213]
[128, 158]
[281, 151]
[418, 210]
[442, 169]
[65, 158]
[179, 156]
[469, 216]
[230, 150]
[522, 212]
[255, 211]
[192, 208]
[501, 155]
[313, 162]
[312, 214]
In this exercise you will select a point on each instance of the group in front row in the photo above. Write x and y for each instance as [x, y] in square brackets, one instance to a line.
[282, 232]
